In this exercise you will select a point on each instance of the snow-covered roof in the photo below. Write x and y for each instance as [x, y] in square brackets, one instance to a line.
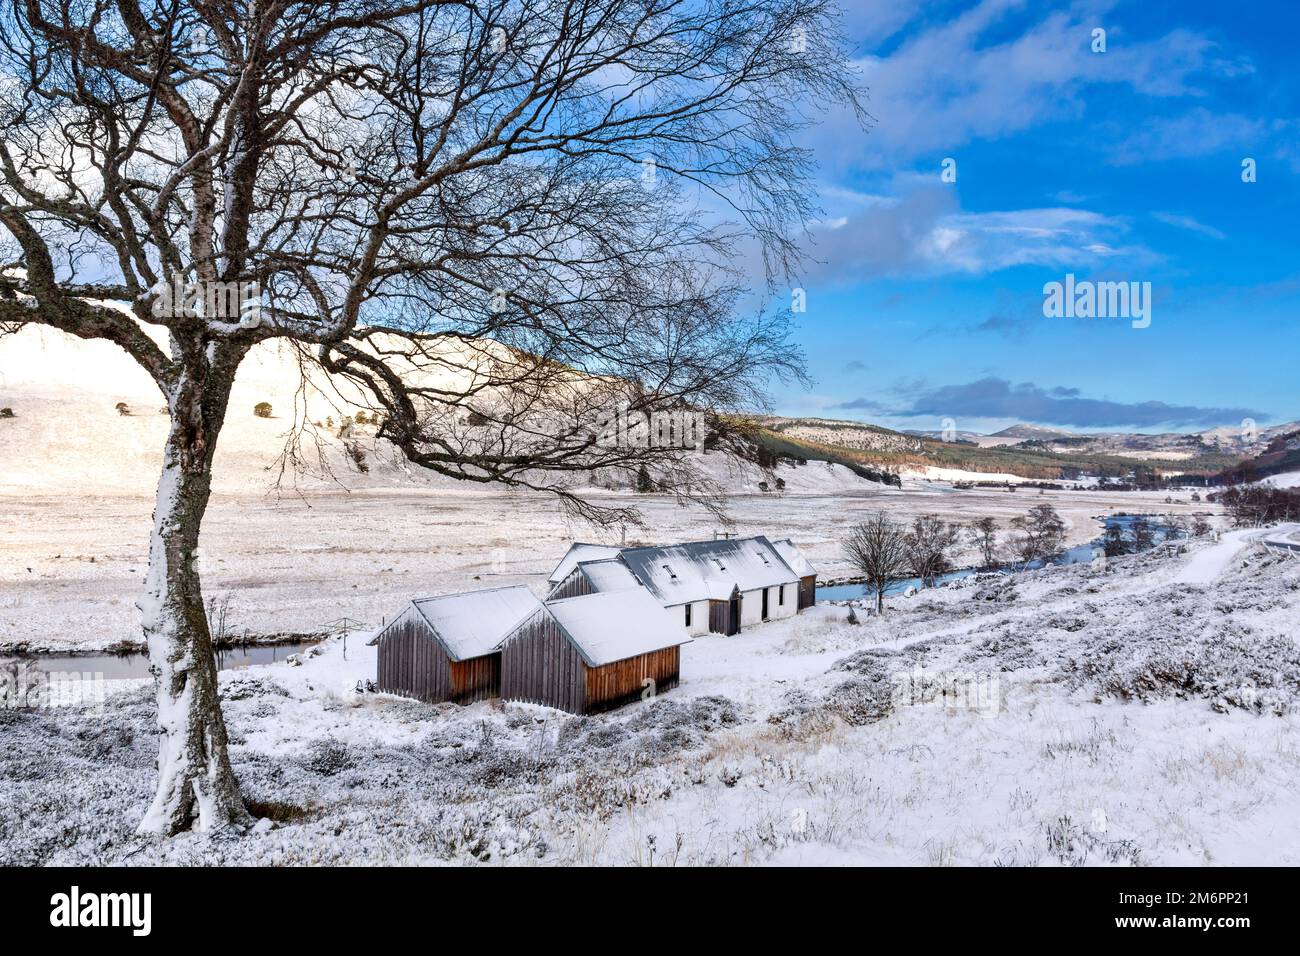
[615, 625]
[473, 623]
[609, 574]
[792, 556]
[580, 552]
[708, 570]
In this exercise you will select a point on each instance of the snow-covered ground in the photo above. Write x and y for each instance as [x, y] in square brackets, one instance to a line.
[1071, 715]
[71, 566]
[1288, 479]
[938, 473]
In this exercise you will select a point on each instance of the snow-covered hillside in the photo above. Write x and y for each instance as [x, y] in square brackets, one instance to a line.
[1289, 479]
[67, 434]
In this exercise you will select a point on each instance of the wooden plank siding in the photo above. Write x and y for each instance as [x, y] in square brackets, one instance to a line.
[719, 618]
[478, 678]
[412, 663]
[722, 620]
[541, 666]
[621, 682]
[807, 591]
[575, 585]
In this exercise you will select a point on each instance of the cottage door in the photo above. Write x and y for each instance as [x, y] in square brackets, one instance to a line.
[733, 625]
[765, 604]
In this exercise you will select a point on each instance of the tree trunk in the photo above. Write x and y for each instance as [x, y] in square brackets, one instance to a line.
[196, 785]
[880, 600]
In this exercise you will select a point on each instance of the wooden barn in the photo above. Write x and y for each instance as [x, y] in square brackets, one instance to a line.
[792, 556]
[578, 553]
[593, 652]
[446, 648]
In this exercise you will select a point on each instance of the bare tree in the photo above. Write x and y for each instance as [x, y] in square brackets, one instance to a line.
[877, 549]
[984, 534]
[929, 541]
[1144, 534]
[1114, 542]
[520, 209]
[1041, 533]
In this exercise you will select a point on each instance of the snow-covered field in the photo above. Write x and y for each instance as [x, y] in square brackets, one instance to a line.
[71, 566]
[1117, 716]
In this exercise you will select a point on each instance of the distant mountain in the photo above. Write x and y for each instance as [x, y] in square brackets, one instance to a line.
[1026, 432]
[972, 437]
[1023, 451]
[1023, 432]
[1233, 441]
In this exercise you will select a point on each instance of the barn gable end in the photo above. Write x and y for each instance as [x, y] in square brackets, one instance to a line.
[593, 652]
[445, 648]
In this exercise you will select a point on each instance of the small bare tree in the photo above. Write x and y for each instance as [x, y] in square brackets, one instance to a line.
[929, 541]
[1040, 534]
[524, 210]
[877, 549]
[1144, 533]
[984, 535]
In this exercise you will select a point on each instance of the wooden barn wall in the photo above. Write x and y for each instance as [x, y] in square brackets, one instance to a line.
[539, 665]
[412, 663]
[478, 678]
[621, 682]
[575, 585]
[807, 591]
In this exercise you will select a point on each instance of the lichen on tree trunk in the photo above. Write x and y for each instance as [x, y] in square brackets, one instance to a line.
[197, 788]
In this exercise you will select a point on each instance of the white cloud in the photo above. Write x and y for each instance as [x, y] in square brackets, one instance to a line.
[1189, 223]
[965, 79]
[1199, 132]
[924, 232]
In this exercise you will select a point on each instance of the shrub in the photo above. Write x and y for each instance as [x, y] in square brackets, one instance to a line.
[326, 757]
[262, 409]
[6, 412]
[644, 484]
[122, 408]
[360, 418]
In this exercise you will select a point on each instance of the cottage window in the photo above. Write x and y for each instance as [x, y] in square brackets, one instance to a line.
[780, 595]
[688, 615]
[670, 572]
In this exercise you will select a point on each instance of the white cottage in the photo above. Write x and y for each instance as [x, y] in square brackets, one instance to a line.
[717, 586]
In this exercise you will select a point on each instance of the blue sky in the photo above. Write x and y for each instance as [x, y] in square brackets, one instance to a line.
[926, 301]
